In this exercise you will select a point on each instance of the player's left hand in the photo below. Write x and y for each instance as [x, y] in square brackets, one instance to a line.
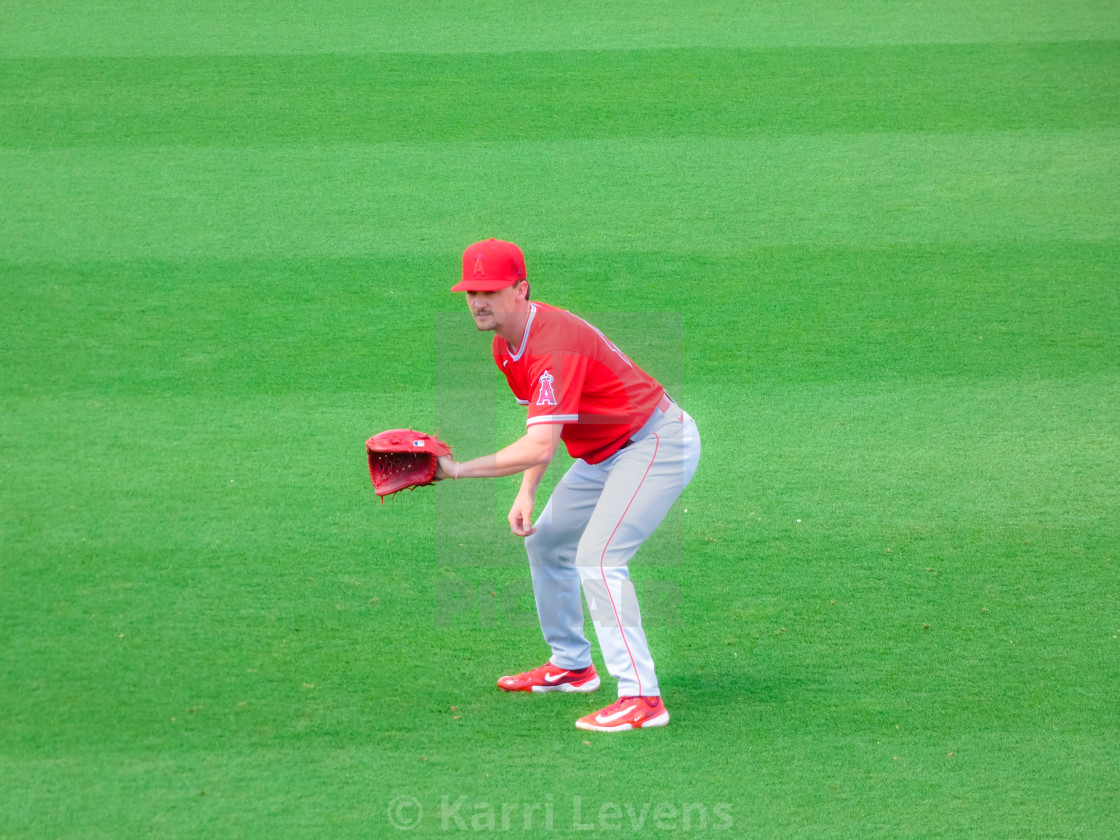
[445, 467]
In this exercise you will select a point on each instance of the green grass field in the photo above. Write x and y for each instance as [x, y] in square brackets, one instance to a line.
[873, 246]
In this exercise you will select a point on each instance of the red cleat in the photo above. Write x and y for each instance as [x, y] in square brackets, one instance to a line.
[548, 677]
[627, 713]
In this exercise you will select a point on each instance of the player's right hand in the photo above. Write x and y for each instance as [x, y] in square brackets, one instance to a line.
[521, 515]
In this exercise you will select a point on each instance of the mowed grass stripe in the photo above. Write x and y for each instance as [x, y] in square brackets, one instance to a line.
[264, 27]
[961, 452]
[698, 92]
[278, 326]
[716, 194]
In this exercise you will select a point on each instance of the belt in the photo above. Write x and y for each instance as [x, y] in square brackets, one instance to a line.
[661, 410]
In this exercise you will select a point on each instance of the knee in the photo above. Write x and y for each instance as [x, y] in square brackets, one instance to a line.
[533, 544]
[538, 546]
[546, 547]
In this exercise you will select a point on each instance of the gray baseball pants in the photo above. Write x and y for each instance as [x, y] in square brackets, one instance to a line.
[596, 519]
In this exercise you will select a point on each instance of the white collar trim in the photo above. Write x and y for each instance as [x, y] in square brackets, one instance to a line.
[525, 337]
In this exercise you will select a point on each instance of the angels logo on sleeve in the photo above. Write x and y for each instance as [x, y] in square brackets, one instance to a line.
[546, 395]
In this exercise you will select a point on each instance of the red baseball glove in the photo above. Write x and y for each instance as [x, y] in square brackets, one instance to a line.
[400, 459]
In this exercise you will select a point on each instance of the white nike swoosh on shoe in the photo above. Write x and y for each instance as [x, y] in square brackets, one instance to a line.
[554, 677]
[601, 718]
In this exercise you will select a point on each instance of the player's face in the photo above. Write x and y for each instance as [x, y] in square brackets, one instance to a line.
[492, 310]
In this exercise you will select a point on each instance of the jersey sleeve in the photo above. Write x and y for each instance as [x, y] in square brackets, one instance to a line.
[555, 383]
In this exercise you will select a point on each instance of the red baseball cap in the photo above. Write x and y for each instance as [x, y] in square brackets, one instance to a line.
[490, 265]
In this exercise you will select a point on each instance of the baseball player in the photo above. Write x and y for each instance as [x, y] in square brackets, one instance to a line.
[635, 451]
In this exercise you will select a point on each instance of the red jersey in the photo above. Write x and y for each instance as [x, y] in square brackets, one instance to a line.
[568, 372]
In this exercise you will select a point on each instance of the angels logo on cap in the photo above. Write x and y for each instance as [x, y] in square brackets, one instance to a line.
[490, 265]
